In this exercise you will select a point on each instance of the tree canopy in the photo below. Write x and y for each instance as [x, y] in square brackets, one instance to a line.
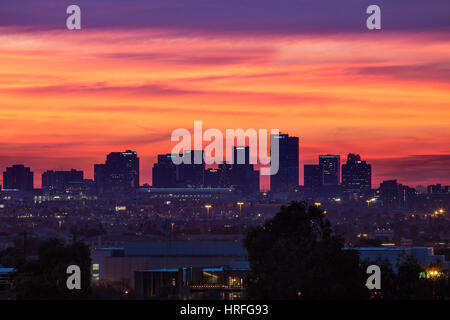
[296, 256]
[45, 278]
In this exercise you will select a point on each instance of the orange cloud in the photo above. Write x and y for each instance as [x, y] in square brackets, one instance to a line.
[66, 96]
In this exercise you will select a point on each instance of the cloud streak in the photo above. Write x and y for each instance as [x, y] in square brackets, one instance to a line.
[79, 95]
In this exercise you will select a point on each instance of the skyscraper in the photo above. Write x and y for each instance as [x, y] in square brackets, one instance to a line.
[286, 179]
[313, 180]
[18, 177]
[356, 174]
[243, 174]
[435, 189]
[164, 172]
[120, 173]
[330, 167]
[59, 180]
[99, 178]
[191, 174]
[212, 178]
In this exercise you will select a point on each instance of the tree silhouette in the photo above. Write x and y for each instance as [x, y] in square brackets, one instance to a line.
[296, 256]
[45, 278]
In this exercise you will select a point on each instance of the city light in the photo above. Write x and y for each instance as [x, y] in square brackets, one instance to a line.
[433, 273]
[208, 207]
[240, 204]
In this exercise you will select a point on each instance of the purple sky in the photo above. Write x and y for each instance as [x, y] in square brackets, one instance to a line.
[233, 16]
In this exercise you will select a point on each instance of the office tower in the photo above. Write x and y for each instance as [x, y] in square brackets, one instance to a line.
[312, 180]
[212, 178]
[243, 174]
[164, 172]
[58, 181]
[286, 179]
[330, 167]
[99, 178]
[225, 175]
[390, 193]
[395, 195]
[191, 174]
[120, 173]
[408, 196]
[435, 189]
[18, 177]
[356, 174]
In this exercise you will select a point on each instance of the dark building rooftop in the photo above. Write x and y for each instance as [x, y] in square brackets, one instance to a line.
[185, 248]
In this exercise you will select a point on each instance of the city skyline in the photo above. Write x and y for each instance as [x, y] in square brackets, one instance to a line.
[264, 181]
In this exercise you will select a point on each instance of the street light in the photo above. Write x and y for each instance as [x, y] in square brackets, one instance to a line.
[207, 206]
[240, 204]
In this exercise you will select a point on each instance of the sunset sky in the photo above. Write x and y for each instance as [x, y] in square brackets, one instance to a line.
[140, 69]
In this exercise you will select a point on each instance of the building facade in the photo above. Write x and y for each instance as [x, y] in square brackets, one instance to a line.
[18, 177]
[286, 179]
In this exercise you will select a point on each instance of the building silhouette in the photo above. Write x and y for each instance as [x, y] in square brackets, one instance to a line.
[188, 174]
[119, 174]
[58, 181]
[312, 180]
[395, 195]
[330, 167]
[164, 172]
[286, 179]
[212, 178]
[356, 175]
[224, 175]
[243, 175]
[191, 173]
[18, 177]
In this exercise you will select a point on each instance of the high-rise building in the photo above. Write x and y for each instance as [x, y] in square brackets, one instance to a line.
[188, 174]
[119, 174]
[191, 174]
[18, 177]
[212, 178]
[396, 195]
[243, 174]
[286, 179]
[59, 180]
[356, 174]
[330, 167]
[224, 175]
[99, 178]
[164, 172]
[312, 180]
[390, 193]
[435, 189]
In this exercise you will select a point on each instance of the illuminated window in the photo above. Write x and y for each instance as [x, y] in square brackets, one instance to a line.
[235, 282]
[95, 267]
